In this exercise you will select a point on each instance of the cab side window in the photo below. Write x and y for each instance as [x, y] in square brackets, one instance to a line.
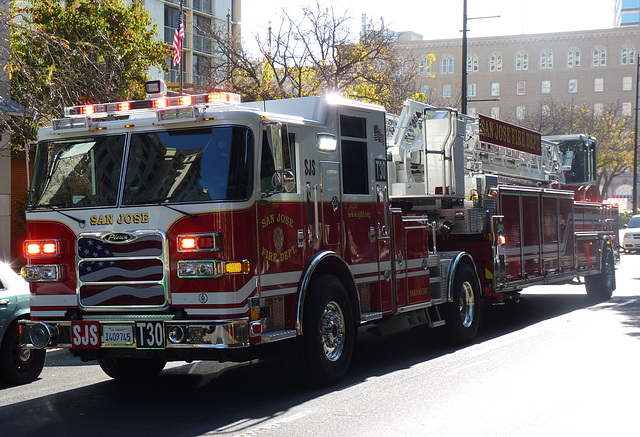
[355, 174]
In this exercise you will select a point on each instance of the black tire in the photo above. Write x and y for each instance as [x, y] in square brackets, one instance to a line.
[462, 315]
[328, 334]
[19, 366]
[132, 369]
[600, 287]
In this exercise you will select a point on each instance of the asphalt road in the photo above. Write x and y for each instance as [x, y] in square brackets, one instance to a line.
[553, 365]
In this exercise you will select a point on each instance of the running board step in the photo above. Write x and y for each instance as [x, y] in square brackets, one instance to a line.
[435, 320]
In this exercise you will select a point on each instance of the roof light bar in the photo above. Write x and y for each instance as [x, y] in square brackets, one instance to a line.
[122, 108]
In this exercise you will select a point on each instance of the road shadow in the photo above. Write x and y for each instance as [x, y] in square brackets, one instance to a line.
[206, 398]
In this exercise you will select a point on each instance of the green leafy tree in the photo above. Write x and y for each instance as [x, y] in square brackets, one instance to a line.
[613, 133]
[69, 53]
[312, 53]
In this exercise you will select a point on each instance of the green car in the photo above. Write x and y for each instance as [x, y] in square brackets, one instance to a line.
[17, 366]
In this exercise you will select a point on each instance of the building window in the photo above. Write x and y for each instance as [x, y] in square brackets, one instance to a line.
[573, 58]
[599, 57]
[495, 112]
[447, 65]
[495, 89]
[472, 63]
[598, 109]
[424, 89]
[573, 86]
[522, 61]
[495, 62]
[546, 60]
[520, 88]
[424, 67]
[546, 87]
[627, 83]
[598, 85]
[520, 111]
[627, 56]
[471, 112]
[446, 91]
[545, 110]
[626, 109]
[471, 90]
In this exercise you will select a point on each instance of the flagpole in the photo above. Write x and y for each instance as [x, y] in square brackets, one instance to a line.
[181, 65]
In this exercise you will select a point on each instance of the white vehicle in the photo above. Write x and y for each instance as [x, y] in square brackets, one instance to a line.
[631, 235]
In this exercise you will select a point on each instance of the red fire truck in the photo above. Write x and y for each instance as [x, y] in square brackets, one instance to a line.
[201, 228]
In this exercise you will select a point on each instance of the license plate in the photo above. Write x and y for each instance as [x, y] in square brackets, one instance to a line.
[150, 335]
[117, 335]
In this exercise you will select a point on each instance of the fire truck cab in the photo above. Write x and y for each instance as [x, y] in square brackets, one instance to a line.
[202, 228]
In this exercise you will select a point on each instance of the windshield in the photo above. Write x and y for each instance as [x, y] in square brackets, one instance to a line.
[634, 222]
[578, 161]
[77, 172]
[190, 165]
[205, 164]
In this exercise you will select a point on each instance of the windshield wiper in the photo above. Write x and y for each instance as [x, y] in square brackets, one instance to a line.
[56, 208]
[162, 202]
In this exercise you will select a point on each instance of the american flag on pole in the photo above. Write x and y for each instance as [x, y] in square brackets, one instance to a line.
[177, 40]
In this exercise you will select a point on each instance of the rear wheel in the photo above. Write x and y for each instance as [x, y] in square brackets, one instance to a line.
[462, 316]
[18, 365]
[600, 287]
[328, 335]
[132, 369]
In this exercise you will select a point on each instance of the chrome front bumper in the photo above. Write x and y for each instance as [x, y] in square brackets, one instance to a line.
[90, 334]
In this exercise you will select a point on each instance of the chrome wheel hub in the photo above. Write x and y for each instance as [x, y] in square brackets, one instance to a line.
[332, 331]
[467, 305]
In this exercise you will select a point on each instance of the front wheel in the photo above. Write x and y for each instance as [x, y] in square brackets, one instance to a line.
[328, 335]
[132, 369]
[462, 315]
[18, 365]
[600, 287]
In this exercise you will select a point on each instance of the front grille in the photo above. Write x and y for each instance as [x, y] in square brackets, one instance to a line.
[128, 272]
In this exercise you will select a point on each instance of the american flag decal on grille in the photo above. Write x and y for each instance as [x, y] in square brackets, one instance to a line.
[125, 273]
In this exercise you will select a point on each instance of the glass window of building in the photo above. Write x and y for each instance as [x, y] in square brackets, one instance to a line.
[599, 57]
[520, 112]
[471, 112]
[546, 87]
[627, 55]
[573, 86]
[447, 64]
[446, 90]
[424, 67]
[472, 63]
[546, 60]
[471, 90]
[627, 83]
[626, 109]
[598, 84]
[495, 62]
[495, 112]
[573, 58]
[522, 61]
[598, 109]
[424, 89]
[495, 89]
[545, 110]
[520, 88]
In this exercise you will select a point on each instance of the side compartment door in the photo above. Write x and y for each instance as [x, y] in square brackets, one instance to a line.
[331, 201]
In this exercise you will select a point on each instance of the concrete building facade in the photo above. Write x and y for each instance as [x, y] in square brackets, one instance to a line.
[512, 76]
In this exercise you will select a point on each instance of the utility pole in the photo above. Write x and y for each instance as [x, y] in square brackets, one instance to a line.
[635, 147]
[463, 104]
